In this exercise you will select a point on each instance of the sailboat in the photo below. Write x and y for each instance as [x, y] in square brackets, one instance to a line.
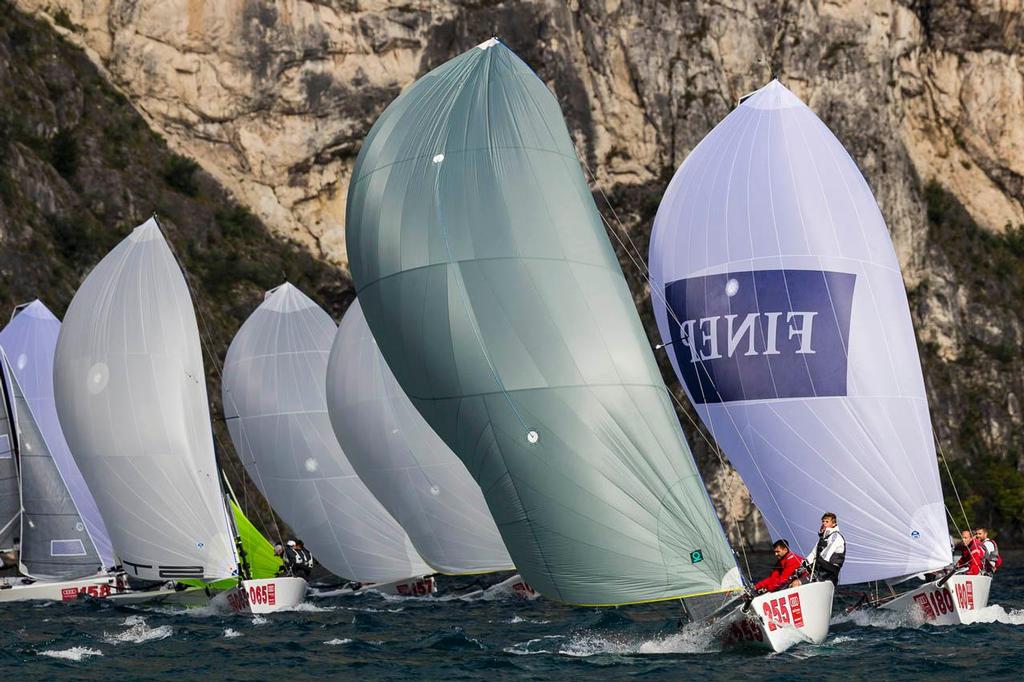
[56, 557]
[406, 466]
[131, 394]
[485, 274]
[777, 290]
[30, 339]
[276, 409]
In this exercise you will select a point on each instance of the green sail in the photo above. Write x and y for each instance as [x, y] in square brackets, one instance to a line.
[486, 276]
[263, 563]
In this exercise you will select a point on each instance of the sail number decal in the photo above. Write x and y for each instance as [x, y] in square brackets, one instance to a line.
[935, 603]
[524, 590]
[744, 630]
[263, 594]
[965, 595]
[416, 588]
[98, 591]
[761, 334]
[782, 611]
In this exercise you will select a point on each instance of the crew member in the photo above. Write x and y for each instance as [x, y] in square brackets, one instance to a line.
[974, 558]
[786, 565]
[826, 559]
[962, 548]
[991, 561]
[303, 559]
[279, 553]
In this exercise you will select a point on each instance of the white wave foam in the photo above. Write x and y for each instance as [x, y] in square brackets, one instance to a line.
[231, 634]
[841, 639]
[523, 648]
[259, 620]
[370, 609]
[519, 619]
[875, 618]
[138, 632]
[997, 614]
[75, 653]
[336, 641]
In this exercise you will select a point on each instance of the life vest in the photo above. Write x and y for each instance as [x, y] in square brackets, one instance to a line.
[993, 560]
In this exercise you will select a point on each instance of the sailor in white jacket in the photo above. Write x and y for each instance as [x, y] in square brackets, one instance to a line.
[827, 557]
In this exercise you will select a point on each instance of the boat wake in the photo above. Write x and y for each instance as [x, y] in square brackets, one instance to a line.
[75, 653]
[138, 632]
[586, 644]
[889, 620]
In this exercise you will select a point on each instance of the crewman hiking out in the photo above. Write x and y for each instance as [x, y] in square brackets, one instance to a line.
[782, 576]
[827, 557]
[298, 559]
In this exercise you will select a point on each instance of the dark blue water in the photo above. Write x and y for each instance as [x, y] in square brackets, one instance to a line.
[371, 638]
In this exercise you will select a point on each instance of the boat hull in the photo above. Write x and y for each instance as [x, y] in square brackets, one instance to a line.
[513, 587]
[408, 587]
[956, 602]
[779, 620]
[99, 586]
[263, 596]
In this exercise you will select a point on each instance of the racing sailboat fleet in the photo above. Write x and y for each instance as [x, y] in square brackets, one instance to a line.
[491, 402]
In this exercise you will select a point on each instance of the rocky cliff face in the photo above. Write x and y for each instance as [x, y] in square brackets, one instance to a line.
[273, 99]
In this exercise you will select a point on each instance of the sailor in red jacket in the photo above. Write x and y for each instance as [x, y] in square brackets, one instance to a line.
[785, 568]
[972, 554]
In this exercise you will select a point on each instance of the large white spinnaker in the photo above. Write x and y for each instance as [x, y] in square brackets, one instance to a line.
[131, 395]
[406, 465]
[276, 406]
[776, 285]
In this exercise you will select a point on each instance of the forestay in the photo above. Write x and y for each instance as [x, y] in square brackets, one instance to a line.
[276, 406]
[131, 394]
[55, 544]
[487, 279]
[403, 462]
[776, 283]
[30, 339]
[10, 496]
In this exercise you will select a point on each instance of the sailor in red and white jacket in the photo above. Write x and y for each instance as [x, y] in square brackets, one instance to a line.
[991, 561]
[786, 565]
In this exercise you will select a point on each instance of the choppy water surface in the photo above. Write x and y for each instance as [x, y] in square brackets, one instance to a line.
[446, 638]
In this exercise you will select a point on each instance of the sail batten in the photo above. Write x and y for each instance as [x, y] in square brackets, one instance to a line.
[276, 401]
[489, 284]
[779, 296]
[131, 393]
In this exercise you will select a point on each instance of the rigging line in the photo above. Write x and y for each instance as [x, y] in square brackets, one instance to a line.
[638, 263]
[949, 474]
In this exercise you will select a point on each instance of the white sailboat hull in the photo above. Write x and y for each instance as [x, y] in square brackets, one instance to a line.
[513, 587]
[100, 586]
[956, 602]
[779, 620]
[263, 596]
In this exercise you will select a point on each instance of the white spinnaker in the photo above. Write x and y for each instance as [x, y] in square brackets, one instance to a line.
[131, 395]
[775, 260]
[406, 465]
[276, 406]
